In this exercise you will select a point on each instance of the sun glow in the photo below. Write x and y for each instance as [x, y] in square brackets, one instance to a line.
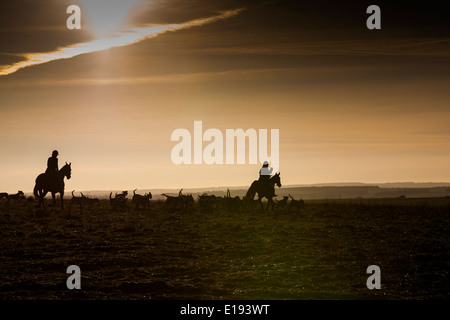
[119, 39]
[105, 17]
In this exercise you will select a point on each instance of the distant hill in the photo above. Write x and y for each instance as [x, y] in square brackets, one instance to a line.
[414, 184]
[381, 185]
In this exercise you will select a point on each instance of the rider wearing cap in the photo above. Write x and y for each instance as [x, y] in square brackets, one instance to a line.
[265, 172]
[52, 164]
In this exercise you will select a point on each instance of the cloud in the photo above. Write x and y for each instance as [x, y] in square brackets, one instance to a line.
[119, 39]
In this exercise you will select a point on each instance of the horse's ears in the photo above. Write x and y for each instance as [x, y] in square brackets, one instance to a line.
[70, 163]
[66, 162]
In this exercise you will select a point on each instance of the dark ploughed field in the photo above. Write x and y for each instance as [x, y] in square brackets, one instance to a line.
[321, 252]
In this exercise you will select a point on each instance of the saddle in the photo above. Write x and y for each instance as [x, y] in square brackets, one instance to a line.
[265, 184]
[53, 179]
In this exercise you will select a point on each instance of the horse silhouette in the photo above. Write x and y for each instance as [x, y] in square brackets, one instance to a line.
[46, 183]
[264, 190]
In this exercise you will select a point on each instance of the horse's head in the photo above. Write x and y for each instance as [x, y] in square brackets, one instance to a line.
[276, 179]
[66, 170]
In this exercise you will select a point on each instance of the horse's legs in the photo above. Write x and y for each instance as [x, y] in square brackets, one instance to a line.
[260, 202]
[269, 203]
[42, 195]
[54, 199]
[62, 201]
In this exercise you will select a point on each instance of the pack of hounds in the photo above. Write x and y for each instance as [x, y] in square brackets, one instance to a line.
[17, 197]
[181, 202]
[210, 203]
[119, 202]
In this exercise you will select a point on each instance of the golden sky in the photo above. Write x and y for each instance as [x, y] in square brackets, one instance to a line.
[351, 104]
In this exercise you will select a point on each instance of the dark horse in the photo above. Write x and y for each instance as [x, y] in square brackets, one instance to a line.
[264, 190]
[45, 184]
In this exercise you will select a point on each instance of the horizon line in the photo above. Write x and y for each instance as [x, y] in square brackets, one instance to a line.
[320, 184]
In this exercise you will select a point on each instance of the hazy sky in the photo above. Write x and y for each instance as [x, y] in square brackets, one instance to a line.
[351, 104]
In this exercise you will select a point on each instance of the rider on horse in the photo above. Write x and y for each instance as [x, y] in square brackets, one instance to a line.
[264, 174]
[52, 180]
[52, 165]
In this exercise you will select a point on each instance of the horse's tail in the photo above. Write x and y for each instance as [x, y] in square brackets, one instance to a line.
[291, 196]
[165, 195]
[251, 192]
[110, 196]
[134, 192]
[35, 191]
[72, 194]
